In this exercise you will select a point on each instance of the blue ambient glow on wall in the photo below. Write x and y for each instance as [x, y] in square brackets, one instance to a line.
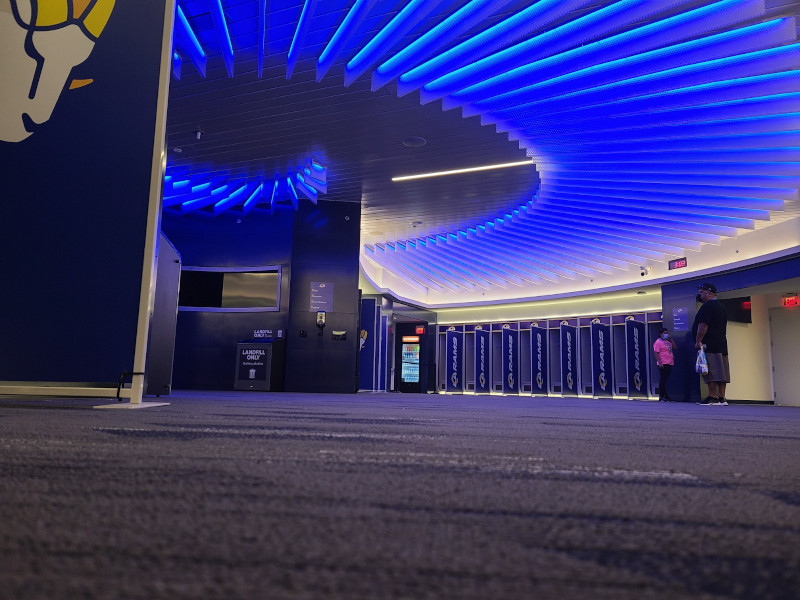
[656, 127]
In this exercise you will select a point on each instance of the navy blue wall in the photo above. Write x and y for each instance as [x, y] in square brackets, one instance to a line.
[73, 214]
[205, 342]
[318, 243]
[325, 248]
[684, 383]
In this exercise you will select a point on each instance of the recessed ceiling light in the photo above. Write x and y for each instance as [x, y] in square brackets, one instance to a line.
[414, 141]
[177, 150]
[459, 171]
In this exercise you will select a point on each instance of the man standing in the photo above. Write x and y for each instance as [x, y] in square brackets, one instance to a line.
[710, 330]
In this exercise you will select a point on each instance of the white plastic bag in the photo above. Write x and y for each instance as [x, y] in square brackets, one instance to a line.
[701, 366]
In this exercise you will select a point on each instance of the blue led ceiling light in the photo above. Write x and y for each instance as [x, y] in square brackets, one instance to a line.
[262, 35]
[350, 23]
[656, 127]
[188, 42]
[213, 196]
[223, 37]
[516, 87]
[413, 13]
[633, 49]
[299, 36]
[485, 42]
[177, 64]
[611, 18]
[435, 39]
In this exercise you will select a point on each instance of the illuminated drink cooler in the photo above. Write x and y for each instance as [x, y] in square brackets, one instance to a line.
[259, 366]
[409, 372]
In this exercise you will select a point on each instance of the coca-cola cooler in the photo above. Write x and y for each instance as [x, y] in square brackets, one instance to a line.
[411, 357]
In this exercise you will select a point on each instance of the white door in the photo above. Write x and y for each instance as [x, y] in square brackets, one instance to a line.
[784, 327]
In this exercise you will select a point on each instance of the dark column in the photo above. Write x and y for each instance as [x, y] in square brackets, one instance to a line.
[325, 250]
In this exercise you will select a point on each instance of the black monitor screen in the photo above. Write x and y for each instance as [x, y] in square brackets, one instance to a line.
[231, 289]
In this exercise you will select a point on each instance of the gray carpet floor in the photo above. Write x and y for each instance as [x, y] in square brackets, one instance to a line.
[259, 495]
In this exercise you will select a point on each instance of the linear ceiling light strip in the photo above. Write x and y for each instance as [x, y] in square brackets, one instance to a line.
[254, 198]
[177, 65]
[689, 129]
[414, 12]
[533, 233]
[509, 260]
[262, 35]
[194, 205]
[743, 197]
[478, 275]
[782, 160]
[545, 239]
[352, 20]
[525, 258]
[650, 65]
[527, 265]
[663, 240]
[591, 26]
[598, 212]
[665, 234]
[509, 31]
[681, 146]
[669, 99]
[478, 265]
[668, 213]
[564, 240]
[452, 277]
[435, 39]
[299, 36]
[751, 64]
[615, 237]
[638, 221]
[236, 197]
[223, 37]
[412, 277]
[632, 53]
[189, 42]
[744, 180]
[739, 108]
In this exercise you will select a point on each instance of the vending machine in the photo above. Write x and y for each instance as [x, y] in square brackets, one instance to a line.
[409, 360]
[412, 357]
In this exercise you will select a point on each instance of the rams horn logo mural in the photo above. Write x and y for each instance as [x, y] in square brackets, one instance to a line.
[570, 380]
[42, 41]
[601, 379]
[539, 380]
[637, 381]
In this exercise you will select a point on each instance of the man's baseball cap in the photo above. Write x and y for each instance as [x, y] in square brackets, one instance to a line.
[709, 287]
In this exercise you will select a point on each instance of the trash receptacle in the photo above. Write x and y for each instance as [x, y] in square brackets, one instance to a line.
[253, 366]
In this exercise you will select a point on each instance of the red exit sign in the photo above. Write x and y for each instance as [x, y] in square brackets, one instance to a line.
[678, 263]
[790, 301]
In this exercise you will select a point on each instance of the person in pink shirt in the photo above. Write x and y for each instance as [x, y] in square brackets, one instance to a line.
[663, 348]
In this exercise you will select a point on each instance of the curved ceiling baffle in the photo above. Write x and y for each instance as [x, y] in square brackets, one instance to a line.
[654, 129]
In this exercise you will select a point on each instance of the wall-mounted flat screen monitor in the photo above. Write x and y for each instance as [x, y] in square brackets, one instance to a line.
[220, 289]
[738, 309]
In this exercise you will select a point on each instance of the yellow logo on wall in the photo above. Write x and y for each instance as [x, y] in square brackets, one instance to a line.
[41, 41]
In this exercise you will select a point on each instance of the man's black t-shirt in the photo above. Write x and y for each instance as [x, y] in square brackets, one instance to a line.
[713, 314]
